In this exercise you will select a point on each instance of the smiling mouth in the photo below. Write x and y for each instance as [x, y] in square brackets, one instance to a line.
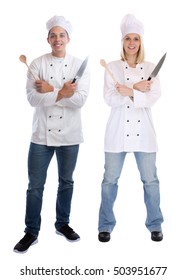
[58, 44]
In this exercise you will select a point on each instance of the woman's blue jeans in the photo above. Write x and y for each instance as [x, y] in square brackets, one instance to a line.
[38, 162]
[146, 163]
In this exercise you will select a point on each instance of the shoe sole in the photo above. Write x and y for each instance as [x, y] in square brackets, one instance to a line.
[70, 240]
[23, 252]
[103, 240]
[157, 239]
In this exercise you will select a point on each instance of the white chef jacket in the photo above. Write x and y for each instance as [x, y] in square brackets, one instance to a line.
[130, 126]
[57, 123]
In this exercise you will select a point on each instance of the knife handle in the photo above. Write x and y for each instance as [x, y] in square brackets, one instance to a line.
[73, 81]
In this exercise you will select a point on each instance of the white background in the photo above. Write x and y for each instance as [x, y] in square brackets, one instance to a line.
[96, 32]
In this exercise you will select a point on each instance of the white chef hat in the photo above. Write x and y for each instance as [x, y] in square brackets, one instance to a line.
[59, 21]
[130, 24]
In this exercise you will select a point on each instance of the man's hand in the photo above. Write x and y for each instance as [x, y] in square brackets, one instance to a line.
[67, 90]
[43, 87]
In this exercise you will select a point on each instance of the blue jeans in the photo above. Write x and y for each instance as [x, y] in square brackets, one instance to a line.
[38, 162]
[147, 168]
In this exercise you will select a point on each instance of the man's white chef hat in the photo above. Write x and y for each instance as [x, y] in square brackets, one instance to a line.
[130, 24]
[59, 21]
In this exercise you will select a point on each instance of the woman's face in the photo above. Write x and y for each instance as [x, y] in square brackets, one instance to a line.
[131, 44]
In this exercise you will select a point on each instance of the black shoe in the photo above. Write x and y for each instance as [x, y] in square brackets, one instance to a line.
[156, 235]
[68, 232]
[104, 236]
[25, 243]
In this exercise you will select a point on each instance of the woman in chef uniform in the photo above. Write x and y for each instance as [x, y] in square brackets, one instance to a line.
[130, 129]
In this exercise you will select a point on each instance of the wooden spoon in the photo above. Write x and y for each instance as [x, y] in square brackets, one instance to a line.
[104, 64]
[22, 58]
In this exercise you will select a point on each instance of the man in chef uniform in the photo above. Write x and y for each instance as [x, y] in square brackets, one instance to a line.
[130, 129]
[56, 129]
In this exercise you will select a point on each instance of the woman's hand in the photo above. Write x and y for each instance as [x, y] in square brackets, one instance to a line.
[143, 86]
[124, 90]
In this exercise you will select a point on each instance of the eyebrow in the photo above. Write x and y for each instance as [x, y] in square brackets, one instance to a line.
[132, 38]
[61, 33]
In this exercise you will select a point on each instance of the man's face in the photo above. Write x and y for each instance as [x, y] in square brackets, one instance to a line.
[58, 39]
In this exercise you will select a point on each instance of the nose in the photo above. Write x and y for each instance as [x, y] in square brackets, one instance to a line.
[132, 42]
[57, 37]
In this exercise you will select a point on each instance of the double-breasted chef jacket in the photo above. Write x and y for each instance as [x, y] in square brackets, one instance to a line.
[130, 126]
[57, 123]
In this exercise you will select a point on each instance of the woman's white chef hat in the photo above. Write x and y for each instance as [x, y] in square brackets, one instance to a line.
[59, 21]
[130, 24]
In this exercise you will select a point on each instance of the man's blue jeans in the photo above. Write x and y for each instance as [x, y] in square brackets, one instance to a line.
[147, 168]
[38, 162]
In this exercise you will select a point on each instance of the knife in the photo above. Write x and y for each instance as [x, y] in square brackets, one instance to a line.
[81, 70]
[157, 68]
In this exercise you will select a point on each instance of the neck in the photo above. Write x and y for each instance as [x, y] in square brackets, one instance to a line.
[131, 63]
[59, 54]
[131, 60]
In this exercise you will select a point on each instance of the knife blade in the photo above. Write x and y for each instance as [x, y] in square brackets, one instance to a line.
[81, 70]
[157, 68]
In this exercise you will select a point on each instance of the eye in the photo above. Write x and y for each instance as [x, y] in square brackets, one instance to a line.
[62, 35]
[51, 35]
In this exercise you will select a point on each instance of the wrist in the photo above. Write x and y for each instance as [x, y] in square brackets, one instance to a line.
[51, 88]
[60, 95]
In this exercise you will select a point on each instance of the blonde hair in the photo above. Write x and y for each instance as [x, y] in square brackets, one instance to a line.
[141, 53]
